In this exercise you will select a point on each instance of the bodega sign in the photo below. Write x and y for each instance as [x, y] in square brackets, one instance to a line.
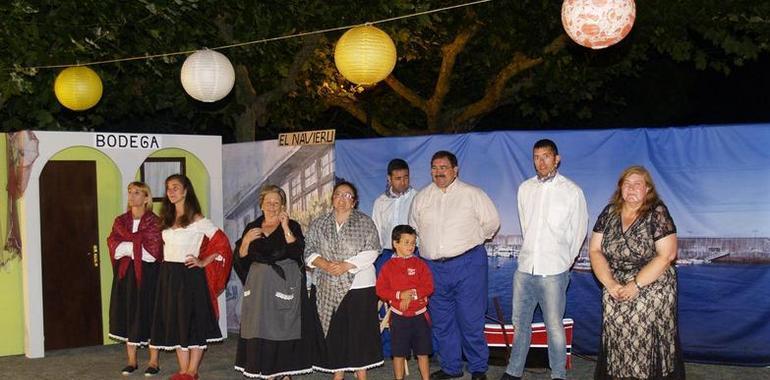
[325, 136]
[126, 141]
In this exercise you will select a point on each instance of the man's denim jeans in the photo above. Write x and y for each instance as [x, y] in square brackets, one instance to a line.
[551, 293]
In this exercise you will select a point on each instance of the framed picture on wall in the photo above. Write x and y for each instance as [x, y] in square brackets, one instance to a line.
[155, 170]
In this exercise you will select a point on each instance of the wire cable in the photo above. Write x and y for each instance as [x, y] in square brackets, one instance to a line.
[264, 40]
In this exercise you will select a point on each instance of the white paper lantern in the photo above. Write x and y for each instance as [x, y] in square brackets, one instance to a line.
[365, 55]
[597, 24]
[207, 76]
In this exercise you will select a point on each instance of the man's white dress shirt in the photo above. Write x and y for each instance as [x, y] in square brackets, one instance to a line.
[389, 211]
[554, 217]
[452, 222]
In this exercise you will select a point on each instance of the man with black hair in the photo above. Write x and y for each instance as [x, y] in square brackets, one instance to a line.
[554, 218]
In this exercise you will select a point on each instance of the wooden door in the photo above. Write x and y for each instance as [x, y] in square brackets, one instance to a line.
[72, 312]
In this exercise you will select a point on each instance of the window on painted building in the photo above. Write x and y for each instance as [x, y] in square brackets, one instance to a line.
[327, 164]
[310, 176]
[327, 188]
[296, 187]
[309, 197]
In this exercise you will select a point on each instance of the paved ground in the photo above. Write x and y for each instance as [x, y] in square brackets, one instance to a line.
[105, 362]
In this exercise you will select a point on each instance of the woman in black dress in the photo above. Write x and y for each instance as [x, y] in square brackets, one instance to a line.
[279, 325]
[342, 245]
[632, 250]
[196, 264]
[136, 251]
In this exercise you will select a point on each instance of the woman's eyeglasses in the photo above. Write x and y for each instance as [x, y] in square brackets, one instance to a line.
[347, 196]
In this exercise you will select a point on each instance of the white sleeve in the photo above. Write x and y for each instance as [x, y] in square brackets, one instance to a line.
[310, 259]
[124, 249]
[376, 219]
[520, 206]
[206, 226]
[488, 216]
[362, 260]
[579, 222]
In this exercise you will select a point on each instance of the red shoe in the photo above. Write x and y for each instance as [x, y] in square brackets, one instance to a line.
[183, 376]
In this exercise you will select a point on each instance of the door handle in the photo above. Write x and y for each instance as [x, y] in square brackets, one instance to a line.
[95, 250]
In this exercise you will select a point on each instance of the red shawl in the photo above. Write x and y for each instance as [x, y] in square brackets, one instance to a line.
[147, 236]
[217, 272]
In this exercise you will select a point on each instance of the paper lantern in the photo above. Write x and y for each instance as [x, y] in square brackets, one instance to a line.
[78, 88]
[207, 76]
[365, 55]
[598, 24]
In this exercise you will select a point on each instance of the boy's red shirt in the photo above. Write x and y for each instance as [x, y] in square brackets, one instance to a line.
[400, 274]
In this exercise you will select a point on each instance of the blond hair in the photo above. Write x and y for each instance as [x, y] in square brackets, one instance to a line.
[267, 189]
[147, 193]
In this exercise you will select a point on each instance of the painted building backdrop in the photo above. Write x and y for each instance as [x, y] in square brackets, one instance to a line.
[306, 175]
[66, 167]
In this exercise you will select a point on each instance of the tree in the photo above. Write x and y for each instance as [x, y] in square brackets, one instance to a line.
[455, 67]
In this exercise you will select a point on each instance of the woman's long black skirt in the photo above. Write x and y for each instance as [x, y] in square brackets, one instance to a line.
[131, 306]
[264, 358]
[183, 317]
[353, 340]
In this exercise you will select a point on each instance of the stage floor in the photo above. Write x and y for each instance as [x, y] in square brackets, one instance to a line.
[105, 362]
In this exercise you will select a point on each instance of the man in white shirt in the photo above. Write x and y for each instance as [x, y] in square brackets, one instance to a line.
[554, 218]
[453, 219]
[391, 209]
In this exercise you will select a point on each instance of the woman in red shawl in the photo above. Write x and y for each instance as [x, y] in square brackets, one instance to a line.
[136, 252]
[196, 263]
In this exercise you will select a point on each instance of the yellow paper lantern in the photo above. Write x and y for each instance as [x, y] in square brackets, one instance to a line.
[78, 88]
[365, 55]
[597, 24]
[207, 75]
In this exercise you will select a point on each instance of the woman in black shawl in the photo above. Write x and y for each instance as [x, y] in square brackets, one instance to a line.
[279, 325]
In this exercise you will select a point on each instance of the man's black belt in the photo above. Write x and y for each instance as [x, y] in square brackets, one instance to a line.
[446, 259]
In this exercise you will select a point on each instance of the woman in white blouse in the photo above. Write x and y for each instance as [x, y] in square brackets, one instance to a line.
[343, 245]
[186, 309]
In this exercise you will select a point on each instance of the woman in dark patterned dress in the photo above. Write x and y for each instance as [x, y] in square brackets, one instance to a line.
[280, 331]
[632, 250]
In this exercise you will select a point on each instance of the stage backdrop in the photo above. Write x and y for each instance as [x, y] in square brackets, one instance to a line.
[306, 175]
[715, 181]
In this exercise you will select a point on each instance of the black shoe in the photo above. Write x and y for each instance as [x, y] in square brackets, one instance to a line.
[152, 371]
[441, 375]
[506, 376]
[479, 376]
[129, 369]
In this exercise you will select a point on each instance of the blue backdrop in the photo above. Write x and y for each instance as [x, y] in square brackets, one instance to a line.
[715, 181]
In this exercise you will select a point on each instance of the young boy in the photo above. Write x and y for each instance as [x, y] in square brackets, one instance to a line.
[405, 282]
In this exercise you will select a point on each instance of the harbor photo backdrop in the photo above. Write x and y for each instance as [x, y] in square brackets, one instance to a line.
[715, 181]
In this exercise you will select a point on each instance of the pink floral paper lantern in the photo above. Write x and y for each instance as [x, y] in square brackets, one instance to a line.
[597, 24]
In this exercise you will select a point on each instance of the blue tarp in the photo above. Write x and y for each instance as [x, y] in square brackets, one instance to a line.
[715, 181]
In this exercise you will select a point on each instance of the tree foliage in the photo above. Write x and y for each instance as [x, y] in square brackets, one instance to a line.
[454, 68]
